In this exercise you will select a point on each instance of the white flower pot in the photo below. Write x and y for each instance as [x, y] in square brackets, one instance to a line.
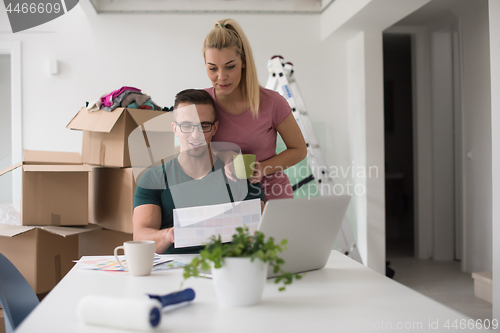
[240, 281]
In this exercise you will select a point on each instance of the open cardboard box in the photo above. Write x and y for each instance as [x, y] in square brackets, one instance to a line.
[111, 199]
[111, 190]
[2, 321]
[101, 242]
[43, 255]
[106, 134]
[54, 188]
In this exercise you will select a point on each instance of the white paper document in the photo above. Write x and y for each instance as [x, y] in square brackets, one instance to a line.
[194, 225]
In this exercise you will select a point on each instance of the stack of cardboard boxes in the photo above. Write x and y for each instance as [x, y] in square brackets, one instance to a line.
[63, 192]
[112, 183]
[54, 195]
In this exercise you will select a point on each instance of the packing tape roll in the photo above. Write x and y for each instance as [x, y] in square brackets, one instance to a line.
[118, 312]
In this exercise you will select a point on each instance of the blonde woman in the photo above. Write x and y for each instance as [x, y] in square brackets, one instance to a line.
[250, 115]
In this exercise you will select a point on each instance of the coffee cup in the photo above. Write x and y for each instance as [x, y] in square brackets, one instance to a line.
[244, 165]
[139, 256]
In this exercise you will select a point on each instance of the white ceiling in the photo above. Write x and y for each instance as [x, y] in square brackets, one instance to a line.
[210, 6]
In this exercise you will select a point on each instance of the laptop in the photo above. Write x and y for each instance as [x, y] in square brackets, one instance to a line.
[310, 225]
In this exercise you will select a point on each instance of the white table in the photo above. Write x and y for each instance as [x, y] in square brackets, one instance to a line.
[345, 296]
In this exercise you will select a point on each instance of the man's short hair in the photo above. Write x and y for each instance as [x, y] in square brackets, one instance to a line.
[196, 97]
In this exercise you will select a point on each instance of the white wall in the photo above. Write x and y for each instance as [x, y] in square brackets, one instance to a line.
[356, 91]
[336, 120]
[365, 109]
[477, 133]
[375, 164]
[160, 54]
[494, 27]
[5, 129]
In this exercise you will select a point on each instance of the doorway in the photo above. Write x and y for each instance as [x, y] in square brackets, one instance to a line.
[433, 61]
[5, 129]
[398, 142]
[11, 148]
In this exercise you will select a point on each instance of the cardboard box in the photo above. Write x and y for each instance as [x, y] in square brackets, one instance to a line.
[54, 188]
[483, 285]
[101, 242]
[2, 321]
[106, 134]
[112, 198]
[43, 255]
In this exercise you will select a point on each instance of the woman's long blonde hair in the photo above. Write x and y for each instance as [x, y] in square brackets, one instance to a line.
[228, 34]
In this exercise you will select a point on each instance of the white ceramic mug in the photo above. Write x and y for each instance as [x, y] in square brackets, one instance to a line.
[139, 256]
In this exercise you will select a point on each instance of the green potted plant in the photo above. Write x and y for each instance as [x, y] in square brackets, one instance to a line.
[239, 278]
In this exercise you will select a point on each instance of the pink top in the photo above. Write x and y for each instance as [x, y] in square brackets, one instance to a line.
[253, 136]
[257, 136]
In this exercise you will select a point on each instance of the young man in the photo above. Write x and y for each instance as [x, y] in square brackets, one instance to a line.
[194, 178]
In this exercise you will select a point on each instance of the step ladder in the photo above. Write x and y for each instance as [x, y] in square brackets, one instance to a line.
[282, 79]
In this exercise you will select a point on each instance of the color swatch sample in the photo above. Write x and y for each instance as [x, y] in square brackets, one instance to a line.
[194, 225]
[109, 264]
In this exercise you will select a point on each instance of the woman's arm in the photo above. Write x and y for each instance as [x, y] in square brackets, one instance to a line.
[295, 151]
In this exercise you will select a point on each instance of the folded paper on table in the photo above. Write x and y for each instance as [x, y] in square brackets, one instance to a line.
[194, 225]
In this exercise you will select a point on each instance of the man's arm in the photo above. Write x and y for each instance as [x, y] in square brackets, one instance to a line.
[147, 223]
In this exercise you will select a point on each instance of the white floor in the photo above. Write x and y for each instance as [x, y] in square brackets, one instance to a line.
[442, 281]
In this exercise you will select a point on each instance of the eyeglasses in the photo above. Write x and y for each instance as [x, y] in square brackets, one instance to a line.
[189, 128]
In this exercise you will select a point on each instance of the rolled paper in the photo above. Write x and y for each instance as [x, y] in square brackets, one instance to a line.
[119, 312]
[185, 295]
